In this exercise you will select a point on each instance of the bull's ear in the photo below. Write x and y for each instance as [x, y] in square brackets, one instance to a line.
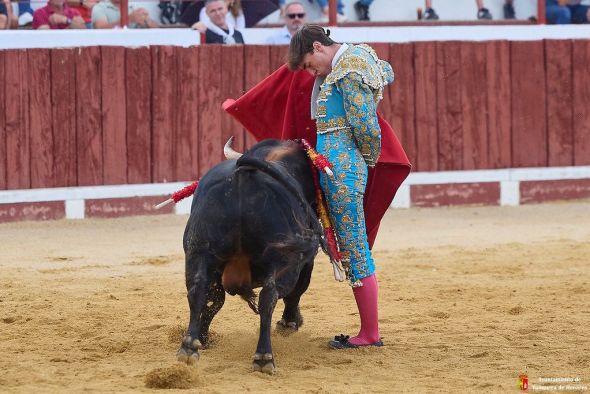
[228, 150]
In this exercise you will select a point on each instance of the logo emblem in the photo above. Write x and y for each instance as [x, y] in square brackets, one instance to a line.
[523, 382]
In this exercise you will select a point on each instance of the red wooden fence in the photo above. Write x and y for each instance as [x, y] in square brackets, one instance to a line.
[112, 115]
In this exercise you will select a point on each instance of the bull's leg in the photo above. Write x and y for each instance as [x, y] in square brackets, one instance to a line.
[263, 358]
[292, 318]
[215, 300]
[197, 284]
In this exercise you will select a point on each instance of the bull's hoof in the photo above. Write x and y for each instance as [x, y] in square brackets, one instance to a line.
[188, 357]
[189, 350]
[287, 327]
[191, 343]
[263, 363]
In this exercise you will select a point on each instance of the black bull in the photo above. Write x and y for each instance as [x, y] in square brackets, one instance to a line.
[252, 224]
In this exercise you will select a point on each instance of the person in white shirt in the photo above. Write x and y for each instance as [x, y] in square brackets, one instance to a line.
[234, 18]
[294, 18]
[216, 29]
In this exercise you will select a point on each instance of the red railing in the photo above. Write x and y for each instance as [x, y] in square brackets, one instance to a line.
[541, 12]
[124, 7]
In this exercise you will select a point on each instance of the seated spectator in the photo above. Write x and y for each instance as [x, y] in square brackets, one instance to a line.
[564, 12]
[7, 18]
[57, 15]
[324, 6]
[235, 15]
[430, 14]
[195, 11]
[106, 15]
[217, 30]
[294, 18]
[84, 7]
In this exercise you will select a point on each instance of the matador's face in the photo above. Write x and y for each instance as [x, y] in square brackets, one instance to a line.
[319, 61]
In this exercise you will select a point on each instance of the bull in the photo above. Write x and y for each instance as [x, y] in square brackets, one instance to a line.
[252, 224]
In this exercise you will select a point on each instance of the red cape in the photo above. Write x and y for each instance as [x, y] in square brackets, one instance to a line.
[279, 107]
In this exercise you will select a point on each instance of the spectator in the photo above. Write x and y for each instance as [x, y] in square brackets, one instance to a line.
[106, 15]
[7, 18]
[234, 17]
[324, 9]
[217, 30]
[84, 7]
[362, 9]
[57, 15]
[430, 14]
[564, 12]
[294, 18]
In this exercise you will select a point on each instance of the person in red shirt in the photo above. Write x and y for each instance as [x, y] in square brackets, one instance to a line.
[57, 15]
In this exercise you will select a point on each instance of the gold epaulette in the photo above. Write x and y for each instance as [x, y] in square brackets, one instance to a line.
[374, 72]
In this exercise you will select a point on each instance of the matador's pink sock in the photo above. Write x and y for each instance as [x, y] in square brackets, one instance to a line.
[366, 298]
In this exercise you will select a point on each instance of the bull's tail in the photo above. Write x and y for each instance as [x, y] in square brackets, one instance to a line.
[250, 298]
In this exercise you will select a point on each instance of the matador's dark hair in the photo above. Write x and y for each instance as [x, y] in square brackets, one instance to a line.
[302, 43]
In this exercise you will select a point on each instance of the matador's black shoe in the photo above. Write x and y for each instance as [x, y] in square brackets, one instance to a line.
[341, 342]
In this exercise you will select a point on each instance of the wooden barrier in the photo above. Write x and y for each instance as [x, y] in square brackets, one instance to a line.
[113, 115]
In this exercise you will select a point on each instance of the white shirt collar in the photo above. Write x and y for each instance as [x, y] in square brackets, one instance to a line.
[320, 80]
[341, 50]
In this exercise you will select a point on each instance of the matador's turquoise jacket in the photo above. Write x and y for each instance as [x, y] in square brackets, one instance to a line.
[344, 105]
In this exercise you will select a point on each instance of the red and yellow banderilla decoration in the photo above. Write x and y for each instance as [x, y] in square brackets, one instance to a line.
[319, 161]
[183, 193]
[329, 234]
[322, 164]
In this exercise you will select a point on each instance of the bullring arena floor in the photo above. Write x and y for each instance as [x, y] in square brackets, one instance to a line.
[470, 298]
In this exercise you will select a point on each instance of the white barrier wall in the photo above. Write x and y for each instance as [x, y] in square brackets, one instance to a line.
[15, 39]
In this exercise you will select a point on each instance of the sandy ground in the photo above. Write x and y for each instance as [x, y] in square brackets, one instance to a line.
[470, 298]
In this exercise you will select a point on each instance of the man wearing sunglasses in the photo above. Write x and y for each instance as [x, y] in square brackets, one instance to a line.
[324, 8]
[294, 18]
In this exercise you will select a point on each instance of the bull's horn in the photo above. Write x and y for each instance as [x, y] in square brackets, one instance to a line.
[229, 152]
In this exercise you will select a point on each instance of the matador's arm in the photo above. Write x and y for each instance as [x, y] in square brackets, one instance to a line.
[361, 113]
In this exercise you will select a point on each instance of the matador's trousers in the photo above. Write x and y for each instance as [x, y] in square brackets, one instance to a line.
[344, 196]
